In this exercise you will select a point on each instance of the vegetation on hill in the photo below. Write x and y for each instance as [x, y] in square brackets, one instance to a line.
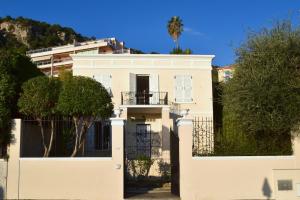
[31, 34]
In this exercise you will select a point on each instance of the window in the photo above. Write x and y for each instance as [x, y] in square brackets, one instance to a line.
[102, 135]
[183, 88]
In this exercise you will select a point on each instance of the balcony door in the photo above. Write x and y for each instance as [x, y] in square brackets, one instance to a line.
[142, 89]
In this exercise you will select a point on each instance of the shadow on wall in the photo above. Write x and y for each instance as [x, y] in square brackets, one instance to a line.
[1, 193]
[266, 189]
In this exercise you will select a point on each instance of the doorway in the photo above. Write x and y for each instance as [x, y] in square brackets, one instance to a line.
[143, 140]
[142, 89]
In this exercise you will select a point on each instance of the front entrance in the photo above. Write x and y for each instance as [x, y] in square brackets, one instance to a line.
[143, 140]
[148, 171]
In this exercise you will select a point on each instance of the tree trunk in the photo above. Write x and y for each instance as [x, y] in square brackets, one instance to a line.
[51, 138]
[43, 137]
[76, 137]
[86, 125]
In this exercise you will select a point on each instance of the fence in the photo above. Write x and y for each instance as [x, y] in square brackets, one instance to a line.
[228, 140]
[203, 136]
[97, 140]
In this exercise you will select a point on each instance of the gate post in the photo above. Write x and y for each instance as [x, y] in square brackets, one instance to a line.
[185, 134]
[117, 132]
[14, 162]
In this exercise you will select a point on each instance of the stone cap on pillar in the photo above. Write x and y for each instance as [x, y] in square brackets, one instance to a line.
[117, 121]
[184, 122]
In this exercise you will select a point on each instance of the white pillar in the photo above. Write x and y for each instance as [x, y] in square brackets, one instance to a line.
[14, 162]
[117, 128]
[185, 134]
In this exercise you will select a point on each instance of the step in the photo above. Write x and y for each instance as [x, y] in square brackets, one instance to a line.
[154, 195]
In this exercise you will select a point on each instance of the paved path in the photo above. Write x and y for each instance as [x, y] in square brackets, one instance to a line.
[146, 194]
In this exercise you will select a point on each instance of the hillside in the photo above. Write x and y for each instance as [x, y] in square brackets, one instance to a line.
[25, 34]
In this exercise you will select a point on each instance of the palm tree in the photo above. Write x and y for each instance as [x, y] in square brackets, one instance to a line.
[175, 28]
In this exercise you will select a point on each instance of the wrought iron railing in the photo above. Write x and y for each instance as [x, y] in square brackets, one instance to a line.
[144, 98]
[203, 136]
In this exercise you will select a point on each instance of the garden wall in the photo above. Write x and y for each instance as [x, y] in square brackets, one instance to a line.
[66, 178]
[3, 175]
[69, 178]
[246, 177]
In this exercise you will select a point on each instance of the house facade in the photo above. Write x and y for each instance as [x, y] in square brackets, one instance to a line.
[151, 92]
[155, 97]
[223, 74]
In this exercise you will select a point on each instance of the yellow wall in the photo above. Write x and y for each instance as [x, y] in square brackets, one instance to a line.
[246, 177]
[166, 66]
[66, 178]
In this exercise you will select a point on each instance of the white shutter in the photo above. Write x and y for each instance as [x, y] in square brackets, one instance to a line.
[132, 88]
[154, 88]
[98, 78]
[188, 89]
[179, 88]
[183, 88]
[105, 80]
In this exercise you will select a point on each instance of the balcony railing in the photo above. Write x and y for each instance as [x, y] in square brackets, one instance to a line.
[144, 98]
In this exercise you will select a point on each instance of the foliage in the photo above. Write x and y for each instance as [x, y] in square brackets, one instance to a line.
[175, 28]
[83, 96]
[9, 42]
[85, 100]
[40, 34]
[65, 74]
[263, 98]
[7, 94]
[14, 70]
[39, 97]
[140, 166]
[136, 51]
[178, 50]
[39, 100]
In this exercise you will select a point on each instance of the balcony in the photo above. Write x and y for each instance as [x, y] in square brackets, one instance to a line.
[144, 98]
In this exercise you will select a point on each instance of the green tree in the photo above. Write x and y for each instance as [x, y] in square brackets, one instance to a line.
[39, 100]
[7, 94]
[15, 69]
[178, 50]
[175, 28]
[85, 100]
[263, 98]
[20, 69]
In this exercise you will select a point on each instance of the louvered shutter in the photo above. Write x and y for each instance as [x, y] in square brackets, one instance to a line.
[188, 89]
[105, 80]
[132, 88]
[154, 88]
[179, 88]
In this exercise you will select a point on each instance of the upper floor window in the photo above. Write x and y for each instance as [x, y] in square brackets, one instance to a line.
[183, 88]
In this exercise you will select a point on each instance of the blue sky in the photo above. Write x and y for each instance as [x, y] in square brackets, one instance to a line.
[211, 27]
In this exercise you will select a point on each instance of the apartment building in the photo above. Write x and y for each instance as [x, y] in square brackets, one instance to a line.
[51, 60]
